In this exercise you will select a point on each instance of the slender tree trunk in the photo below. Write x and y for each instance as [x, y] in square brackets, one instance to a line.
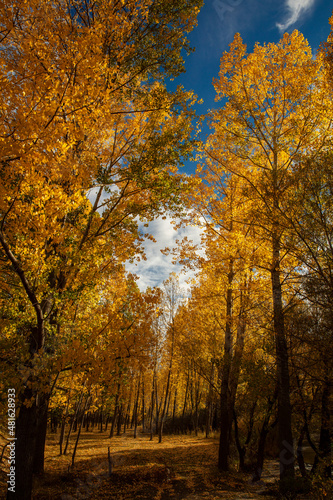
[167, 389]
[223, 461]
[300, 458]
[237, 356]
[209, 403]
[143, 409]
[286, 447]
[174, 410]
[87, 421]
[261, 451]
[157, 408]
[101, 418]
[325, 435]
[63, 424]
[41, 433]
[135, 409]
[73, 419]
[262, 439]
[152, 405]
[241, 449]
[115, 413]
[186, 393]
[196, 406]
[120, 416]
[79, 429]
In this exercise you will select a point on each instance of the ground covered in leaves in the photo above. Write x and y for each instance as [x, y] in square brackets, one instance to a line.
[181, 467]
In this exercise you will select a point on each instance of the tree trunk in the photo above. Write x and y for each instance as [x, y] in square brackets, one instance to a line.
[120, 416]
[101, 420]
[261, 451]
[25, 445]
[286, 447]
[143, 405]
[223, 461]
[167, 389]
[63, 423]
[300, 458]
[262, 438]
[325, 436]
[157, 408]
[186, 394]
[241, 449]
[72, 421]
[174, 410]
[196, 406]
[135, 409]
[79, 429]
[41, 434]
[209, 403]
[115, 413]
[152, 405]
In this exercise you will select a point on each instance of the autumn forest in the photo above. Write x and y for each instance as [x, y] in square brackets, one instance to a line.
[92, 142]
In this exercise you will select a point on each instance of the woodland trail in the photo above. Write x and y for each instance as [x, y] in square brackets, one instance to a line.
[181, 467]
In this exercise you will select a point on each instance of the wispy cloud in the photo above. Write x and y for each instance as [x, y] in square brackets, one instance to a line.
[296, 9]
[230, 16]
[157, 268]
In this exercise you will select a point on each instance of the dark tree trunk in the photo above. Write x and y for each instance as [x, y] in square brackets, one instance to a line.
[262, 438]
[143, 405]
[106, 423]
[101, 420]
[261, 451]
[300, 458]
[167, 389]
[152, 406]
[79, 429]
[41, 434]
[186, 394]
[241, 449]
[325, 436]
[225, 422]
[120, 416]
[286, 455]
[135, 409]
[63, 424]
[209, 403]
[25, 445]
[158, 406]
[115, 413]
[72, 421]
[196, 407]
[174, 410]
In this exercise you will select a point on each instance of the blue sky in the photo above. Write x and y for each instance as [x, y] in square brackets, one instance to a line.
[256, 21]
[218, 21]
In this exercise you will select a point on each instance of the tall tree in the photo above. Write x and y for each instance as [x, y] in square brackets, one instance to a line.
[275, 110]
[84, 110]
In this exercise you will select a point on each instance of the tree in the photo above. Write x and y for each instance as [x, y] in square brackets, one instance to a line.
[275, 111]
[310, 239]
[171, 301]
[84, 110]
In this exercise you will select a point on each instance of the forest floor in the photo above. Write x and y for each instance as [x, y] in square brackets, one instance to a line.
[181, 467]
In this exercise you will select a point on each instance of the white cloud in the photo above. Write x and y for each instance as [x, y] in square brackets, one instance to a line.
[228, 17]
[296, 8]
[157, 268]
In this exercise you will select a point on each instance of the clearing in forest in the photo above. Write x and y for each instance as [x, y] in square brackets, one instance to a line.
[181, 467]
